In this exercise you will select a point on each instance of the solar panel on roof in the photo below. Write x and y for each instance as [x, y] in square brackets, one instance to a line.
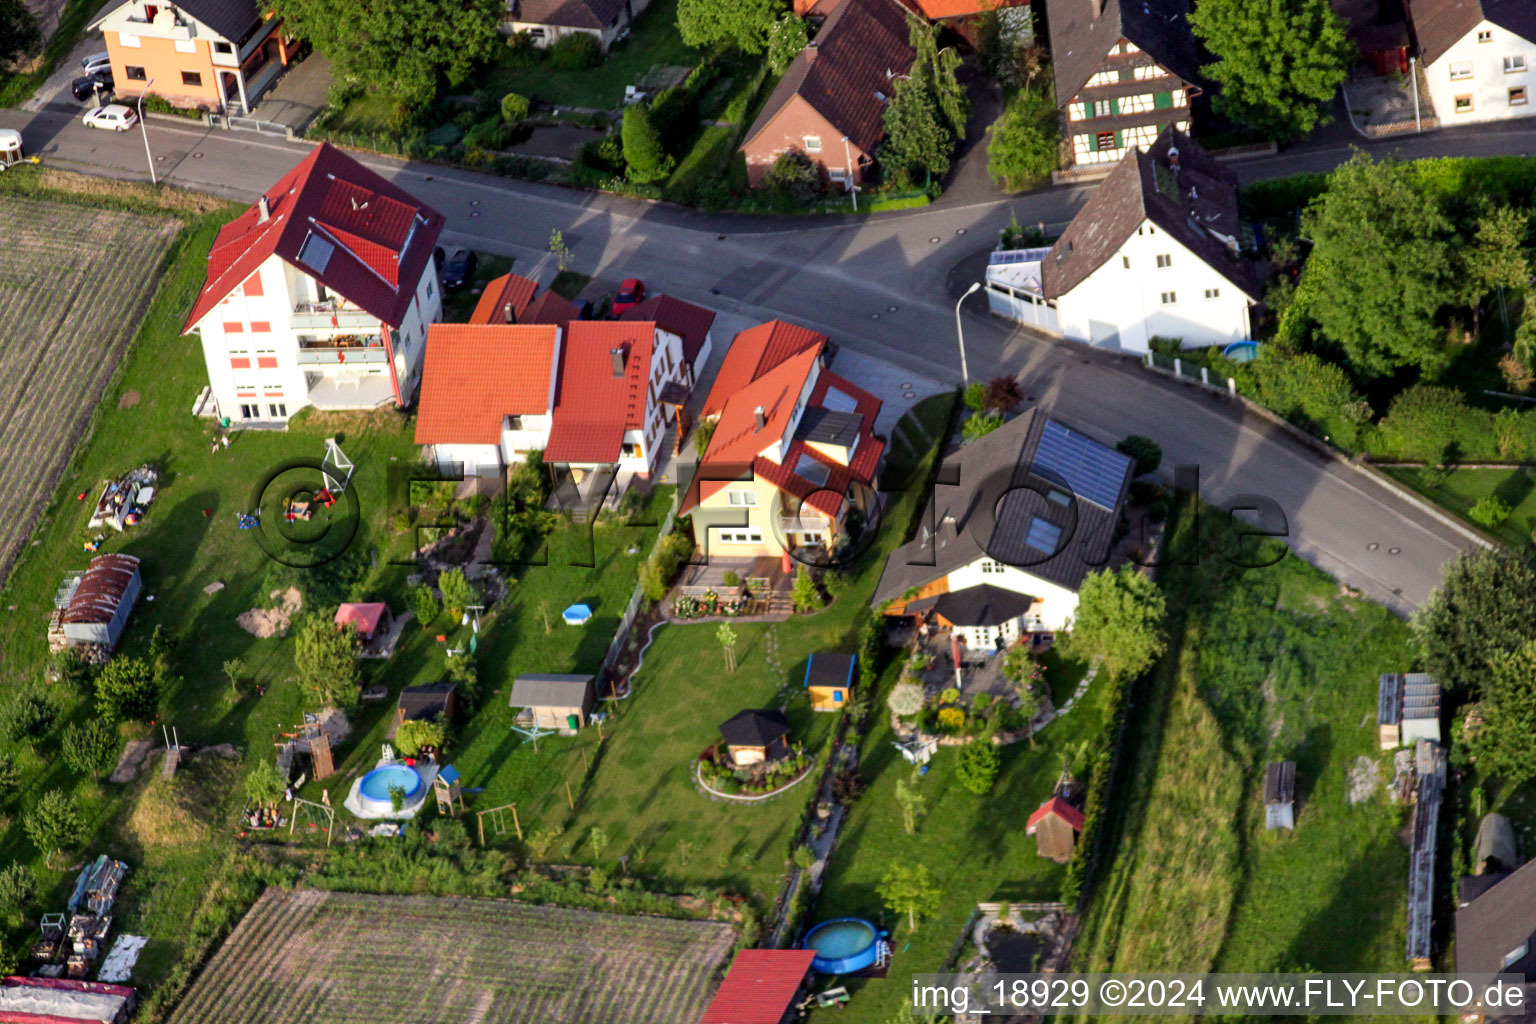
[315, 253]
[1093, 471]
[1043, 536]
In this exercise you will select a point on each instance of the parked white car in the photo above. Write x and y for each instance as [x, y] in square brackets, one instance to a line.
[96, 62]
[113, 116]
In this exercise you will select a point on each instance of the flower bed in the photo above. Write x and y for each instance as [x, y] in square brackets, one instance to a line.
[721, 778]
[731, 789]
[689, 607]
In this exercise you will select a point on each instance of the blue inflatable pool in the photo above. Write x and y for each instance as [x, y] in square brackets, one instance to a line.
[843, 945]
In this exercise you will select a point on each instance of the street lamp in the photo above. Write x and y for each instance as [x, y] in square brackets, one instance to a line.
[145, 129]
[965, 376]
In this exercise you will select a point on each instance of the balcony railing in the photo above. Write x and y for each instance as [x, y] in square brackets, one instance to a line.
[309, 316]
[804, 524]
[341, 356]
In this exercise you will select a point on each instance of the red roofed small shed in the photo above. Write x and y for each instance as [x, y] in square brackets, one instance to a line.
[1055, 825]
[368, 618]
[761, 987]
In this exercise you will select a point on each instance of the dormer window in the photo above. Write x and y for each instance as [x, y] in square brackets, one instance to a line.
[1517, 954]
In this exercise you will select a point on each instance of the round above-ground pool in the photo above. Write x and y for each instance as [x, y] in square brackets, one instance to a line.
[1242, 351]
[843, 945]
[373, 794]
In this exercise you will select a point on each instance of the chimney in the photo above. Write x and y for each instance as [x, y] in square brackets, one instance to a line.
[618, 361]
[507, 312]
[263, 210]
[760, 417]
[1173, 158]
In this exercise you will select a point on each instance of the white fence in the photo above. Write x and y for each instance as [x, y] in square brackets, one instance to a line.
[1177, 367]
[1024, 306]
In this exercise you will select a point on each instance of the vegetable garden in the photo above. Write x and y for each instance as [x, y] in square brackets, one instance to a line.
[328, 957]
[66, 316]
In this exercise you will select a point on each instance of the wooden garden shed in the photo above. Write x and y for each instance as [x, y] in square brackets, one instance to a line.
[829, 680]
[430, 702]
[756, 735]
[550, 701]
[1055, 825]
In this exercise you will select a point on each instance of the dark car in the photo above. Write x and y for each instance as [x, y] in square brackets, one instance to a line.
[85, 86]
[459, 268]
[437, 258]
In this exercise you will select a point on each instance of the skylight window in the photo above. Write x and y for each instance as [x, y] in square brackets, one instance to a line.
[315, 253]
[1043, 536]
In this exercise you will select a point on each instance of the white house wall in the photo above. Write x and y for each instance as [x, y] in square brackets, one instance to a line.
[1054, 606]
[1124, 305]
[476, 459]
[1479, 75]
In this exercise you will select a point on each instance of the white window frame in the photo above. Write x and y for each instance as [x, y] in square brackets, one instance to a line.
[1170, 298]
[1485, 35]
[750, 536]
[1140, 103]
[1458, 108]
[1104, 78]
[1460, 70]
[739, 498]
[1164, 260]
[1515, 64]
[1213, 293]
[812, 143]
[1525, 96]
[1146, 71]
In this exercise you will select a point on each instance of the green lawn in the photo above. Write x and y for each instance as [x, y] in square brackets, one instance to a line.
[975, 847]
[653, 40]
[1264, 664]
[1459, 489]
[909, 445]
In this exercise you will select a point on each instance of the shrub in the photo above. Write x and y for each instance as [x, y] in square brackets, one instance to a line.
[264, 784]
[576, 51]
[731, 578]
[514, 107]
[423, 604]
[54, 823]
[1490, 512]
[980, 425]
[794, 178]
[521, 51]
[847, 786]
[128, 689]
[1002, 394]
[29, 715]
[1422, 422]
[415, 734]
[906, 699]
[951, 719]
[648, 160]
[18, 888]
[458, 592]
[804, 595]
[491, 134]
[975, 396]
[1313, 390]
[978, 766]
[656, 576]
[90, 747]
[1147, 452]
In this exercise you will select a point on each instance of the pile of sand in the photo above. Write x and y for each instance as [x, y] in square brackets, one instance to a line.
[270, 622]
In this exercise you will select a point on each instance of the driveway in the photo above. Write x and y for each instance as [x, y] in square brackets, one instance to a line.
[299, 95]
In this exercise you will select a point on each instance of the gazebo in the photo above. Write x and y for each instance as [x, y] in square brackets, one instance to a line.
[756, 735]
[370, 618]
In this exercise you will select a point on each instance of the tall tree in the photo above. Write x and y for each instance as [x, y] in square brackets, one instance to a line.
[1279, 62]
[912, 804]
[1497, 257]
[54, 823]
[1119, 623]
[744, 24]
[1382, 268]
[1022, 142]
[909, 889]
[1484, 607]
[326, 658]
[916, 142]
[28, 715]
[404, 47]
[643, 151]
[1505, 744]
[18, 30]
[786, 38]
[935, 68]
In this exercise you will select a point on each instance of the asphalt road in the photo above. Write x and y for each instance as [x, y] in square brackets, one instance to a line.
[884, 286]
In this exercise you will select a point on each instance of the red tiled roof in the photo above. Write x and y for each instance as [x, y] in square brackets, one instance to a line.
[933, 10]
[754, 352]
[473, 375]
[737, 442]
[593, 408]
[381, 237]
[1061, 809]
[759, 986]
[508, 289]
[684, 319]
[366, 617]
[549, 308]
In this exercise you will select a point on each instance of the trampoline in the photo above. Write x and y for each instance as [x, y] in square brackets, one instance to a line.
[373, 794]
[843, 945]
[576, 615]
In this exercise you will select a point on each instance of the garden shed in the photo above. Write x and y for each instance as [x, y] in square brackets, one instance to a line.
[756, 735]
[61, 1000]
[829, 680]
[1055, 825]
[369, 618]
[1279, 794]
[762, 987]
[426, 703]
[93, 607]
[558, 702]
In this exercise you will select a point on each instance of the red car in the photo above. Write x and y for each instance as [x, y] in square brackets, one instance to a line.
[631, 293]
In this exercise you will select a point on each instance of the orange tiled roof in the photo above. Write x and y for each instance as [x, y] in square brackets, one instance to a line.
[474, 375]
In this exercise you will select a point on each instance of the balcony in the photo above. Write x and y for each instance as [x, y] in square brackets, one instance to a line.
[311, 316]
[803, 524]
[343, 356]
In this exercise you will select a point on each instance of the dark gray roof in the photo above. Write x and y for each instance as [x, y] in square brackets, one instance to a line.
[1473, 886]
[826, 426]
[1497, 923]
[861, 47]
[1176, 185]
[1080, 42]
[1279, 782]
[425, 701]
[231, 19]
[594, 14]
[755, 727]
[1438, 24]
[983, 605]
[971, 518]
[540, 690]
[829, 670]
